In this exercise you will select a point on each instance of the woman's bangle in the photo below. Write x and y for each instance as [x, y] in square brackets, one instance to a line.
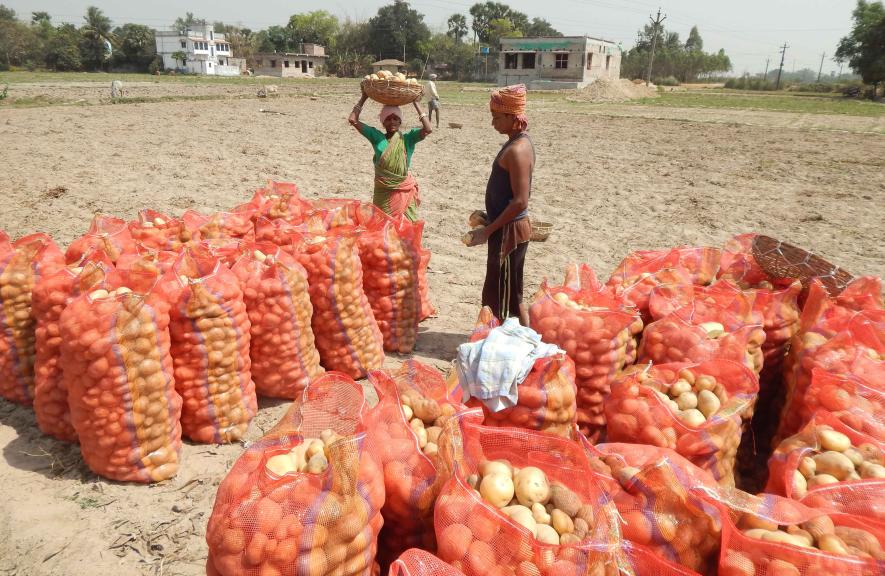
[357, 108]
[420, 116]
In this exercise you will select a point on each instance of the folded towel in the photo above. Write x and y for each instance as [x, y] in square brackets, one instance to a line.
[492, 369]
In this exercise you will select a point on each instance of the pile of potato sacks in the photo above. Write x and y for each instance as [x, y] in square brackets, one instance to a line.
[146, 331]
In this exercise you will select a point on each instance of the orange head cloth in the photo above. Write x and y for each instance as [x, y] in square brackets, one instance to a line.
[510, 100]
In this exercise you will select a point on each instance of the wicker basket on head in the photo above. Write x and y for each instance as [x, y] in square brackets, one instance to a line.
[541, 231]
[781, 260]
[392, 92]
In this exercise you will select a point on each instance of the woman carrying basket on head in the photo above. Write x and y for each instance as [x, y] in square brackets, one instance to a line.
[396, 190]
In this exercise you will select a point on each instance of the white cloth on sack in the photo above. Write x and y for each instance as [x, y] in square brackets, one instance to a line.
[492, 369]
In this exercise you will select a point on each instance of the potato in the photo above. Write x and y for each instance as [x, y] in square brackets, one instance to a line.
[870, 470]
[502, 467]
[807, 466]
[800, 484]
[692, 418]
[564, 499]
[561, 522]
[317, 464]
[687, 400]
[708, 403]
[521, 515]
[540, 514]
[281, 464]
[532, 486]
[821, 480]
[833, 544]
[497, 489]
[833, 463]
[831, 440]
[547, 535]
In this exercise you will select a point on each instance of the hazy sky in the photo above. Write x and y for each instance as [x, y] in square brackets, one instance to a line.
[749, 30]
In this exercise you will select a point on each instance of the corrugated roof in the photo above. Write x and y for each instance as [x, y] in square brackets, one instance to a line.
[388, 62]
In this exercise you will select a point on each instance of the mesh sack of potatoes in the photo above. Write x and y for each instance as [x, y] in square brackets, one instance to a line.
[416, 562]
[118, 372]
[700, 331]
[652, 490]
[23, 264]
[639, 272]
[645, 560]
[413, 407]
[210, 332]
[282, 347]
[106, 232]
[390, 253]
[51, 295]
[279, 232]
[523, 502]
[347, 335]
[283, 201]
[307, 497]
[777, 536]
[219, 225]
[858, 402]
[858, 349]
[148, 261]
[826, 452]
[596, 332]
[157, 231]
[546, 399]
[694, 409]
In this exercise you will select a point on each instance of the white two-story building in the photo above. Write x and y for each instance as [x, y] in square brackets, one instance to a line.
[205, 51]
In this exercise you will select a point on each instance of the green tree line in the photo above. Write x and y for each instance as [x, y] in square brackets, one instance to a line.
[673, 59]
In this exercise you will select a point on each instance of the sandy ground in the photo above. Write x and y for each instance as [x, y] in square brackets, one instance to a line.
[612, 178]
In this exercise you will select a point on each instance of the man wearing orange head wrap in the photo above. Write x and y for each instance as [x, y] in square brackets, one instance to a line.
[507, 199]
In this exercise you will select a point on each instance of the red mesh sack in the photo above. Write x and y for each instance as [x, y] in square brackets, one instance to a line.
[283, 201]
[210, 332]
[595, 331]
[316, 521]
[148, 261]
[855, 401]
[652, 490]
[282, 349]
[344, 326]
[547, 396]
[413, 406]
[858, 348]
[22, 265]
[738, 263]
[219, 225]
[862, 498]
[644, 560]
[638, 273]
[823, 454]
[699, 332]
[157, 231]
[427, 309]
[478, 538]
[694, 409]
[106, 232]
[390, 255]
[752, 542]
[51, 295]
[415, 562]
[277, 231]
[118, 373]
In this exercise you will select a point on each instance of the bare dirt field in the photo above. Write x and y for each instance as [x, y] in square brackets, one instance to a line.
[613, 178]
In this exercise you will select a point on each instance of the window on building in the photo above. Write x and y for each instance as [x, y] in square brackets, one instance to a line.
[184, 43]
[273, 63]
[561, 61]
[285, 63]
[589, 60]
[528, 61]
[310, 64]
[510, 61]
[608, 62]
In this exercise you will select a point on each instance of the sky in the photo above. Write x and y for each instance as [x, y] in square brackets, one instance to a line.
[750, 31]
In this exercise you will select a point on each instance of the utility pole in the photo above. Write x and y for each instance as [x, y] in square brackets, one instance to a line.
[820, 71]
[654, 42]
[765, 76]
[781, 69]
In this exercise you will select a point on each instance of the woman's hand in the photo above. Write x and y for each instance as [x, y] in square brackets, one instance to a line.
[426, 128]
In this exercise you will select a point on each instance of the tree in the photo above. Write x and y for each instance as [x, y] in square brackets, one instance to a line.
[540, 27]
[16, 40]
[241, 40]
[180, 56]
[275, 39]
[396, 30]
[457, 27]
[459, 58]
[483, 14]
[502, 28]
[189, 22]
[7, 14]
[97, 37]
[864, 48]
[137, 47]
[63, 51]
[38, 17]
[350, 54]
[694, 42]
[317, 27]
